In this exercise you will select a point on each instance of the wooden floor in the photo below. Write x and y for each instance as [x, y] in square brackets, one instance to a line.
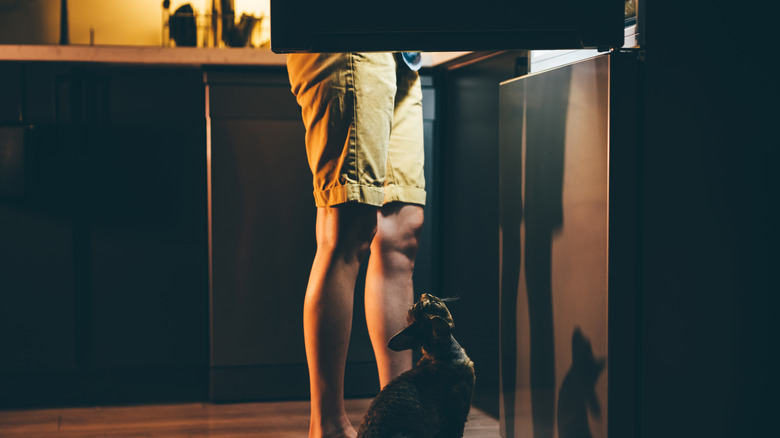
[258, 420]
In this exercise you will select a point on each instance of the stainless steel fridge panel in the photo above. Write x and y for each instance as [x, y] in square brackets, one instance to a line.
[554, 226]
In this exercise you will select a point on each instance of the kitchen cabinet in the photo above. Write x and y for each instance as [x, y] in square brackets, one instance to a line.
[12, 133]
[37, 254]
[104, 250]
[11, 93]
[160, 242]
[262, 234]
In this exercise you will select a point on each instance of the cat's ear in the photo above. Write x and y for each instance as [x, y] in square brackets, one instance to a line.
[406, 339]
[441, 328]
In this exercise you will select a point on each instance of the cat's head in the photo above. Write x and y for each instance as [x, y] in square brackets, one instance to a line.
[429, 322]
[583, 358]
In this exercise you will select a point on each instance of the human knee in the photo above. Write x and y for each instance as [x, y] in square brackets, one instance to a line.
[346, 230]
[364, 235]
[399, 230]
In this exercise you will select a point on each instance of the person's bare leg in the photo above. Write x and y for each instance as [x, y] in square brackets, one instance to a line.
[389, 287]
[344, 234]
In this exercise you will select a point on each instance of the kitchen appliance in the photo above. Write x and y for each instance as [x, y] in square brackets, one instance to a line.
[568, 169]
[444, 25]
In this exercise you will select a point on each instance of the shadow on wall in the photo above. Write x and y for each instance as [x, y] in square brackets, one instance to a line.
[578, 390]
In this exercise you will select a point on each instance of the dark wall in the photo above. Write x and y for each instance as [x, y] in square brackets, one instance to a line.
[708, 129]
[467, 239]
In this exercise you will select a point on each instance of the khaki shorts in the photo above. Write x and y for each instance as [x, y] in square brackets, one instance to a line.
[364, 126]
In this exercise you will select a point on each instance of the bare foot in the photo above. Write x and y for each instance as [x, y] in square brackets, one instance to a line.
[342, 429]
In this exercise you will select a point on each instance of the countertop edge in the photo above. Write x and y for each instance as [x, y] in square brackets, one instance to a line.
[167, 55]
[141, 55]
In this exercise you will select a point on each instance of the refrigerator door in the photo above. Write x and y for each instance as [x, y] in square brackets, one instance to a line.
[568, 245]
[554, 143]
[444, 25]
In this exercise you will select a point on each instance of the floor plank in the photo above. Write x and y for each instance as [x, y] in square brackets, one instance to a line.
[288, 419]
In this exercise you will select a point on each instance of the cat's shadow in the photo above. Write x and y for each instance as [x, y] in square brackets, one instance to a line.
[578, 390]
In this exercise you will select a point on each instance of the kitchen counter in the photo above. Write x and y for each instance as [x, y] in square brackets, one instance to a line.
[166, 55]
[140, 55]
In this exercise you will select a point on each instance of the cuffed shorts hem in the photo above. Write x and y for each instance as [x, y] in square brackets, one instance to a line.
[369, 195]
[349, 193]
[409, 195]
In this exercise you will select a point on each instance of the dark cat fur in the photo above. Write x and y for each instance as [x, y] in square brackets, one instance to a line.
[432, 399]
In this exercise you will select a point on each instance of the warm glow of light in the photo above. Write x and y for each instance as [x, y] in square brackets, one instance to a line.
[115, 22]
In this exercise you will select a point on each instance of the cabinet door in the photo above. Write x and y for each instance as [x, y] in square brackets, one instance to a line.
[11, 132]
[10, 92]
[36, 240]
[36, 283]
[555, 224]
[146, 214]
[37, 249]
[263, 241]
[262, 236]
[106, 247]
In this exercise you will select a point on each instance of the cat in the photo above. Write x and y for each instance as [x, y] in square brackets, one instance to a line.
[432, 399]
